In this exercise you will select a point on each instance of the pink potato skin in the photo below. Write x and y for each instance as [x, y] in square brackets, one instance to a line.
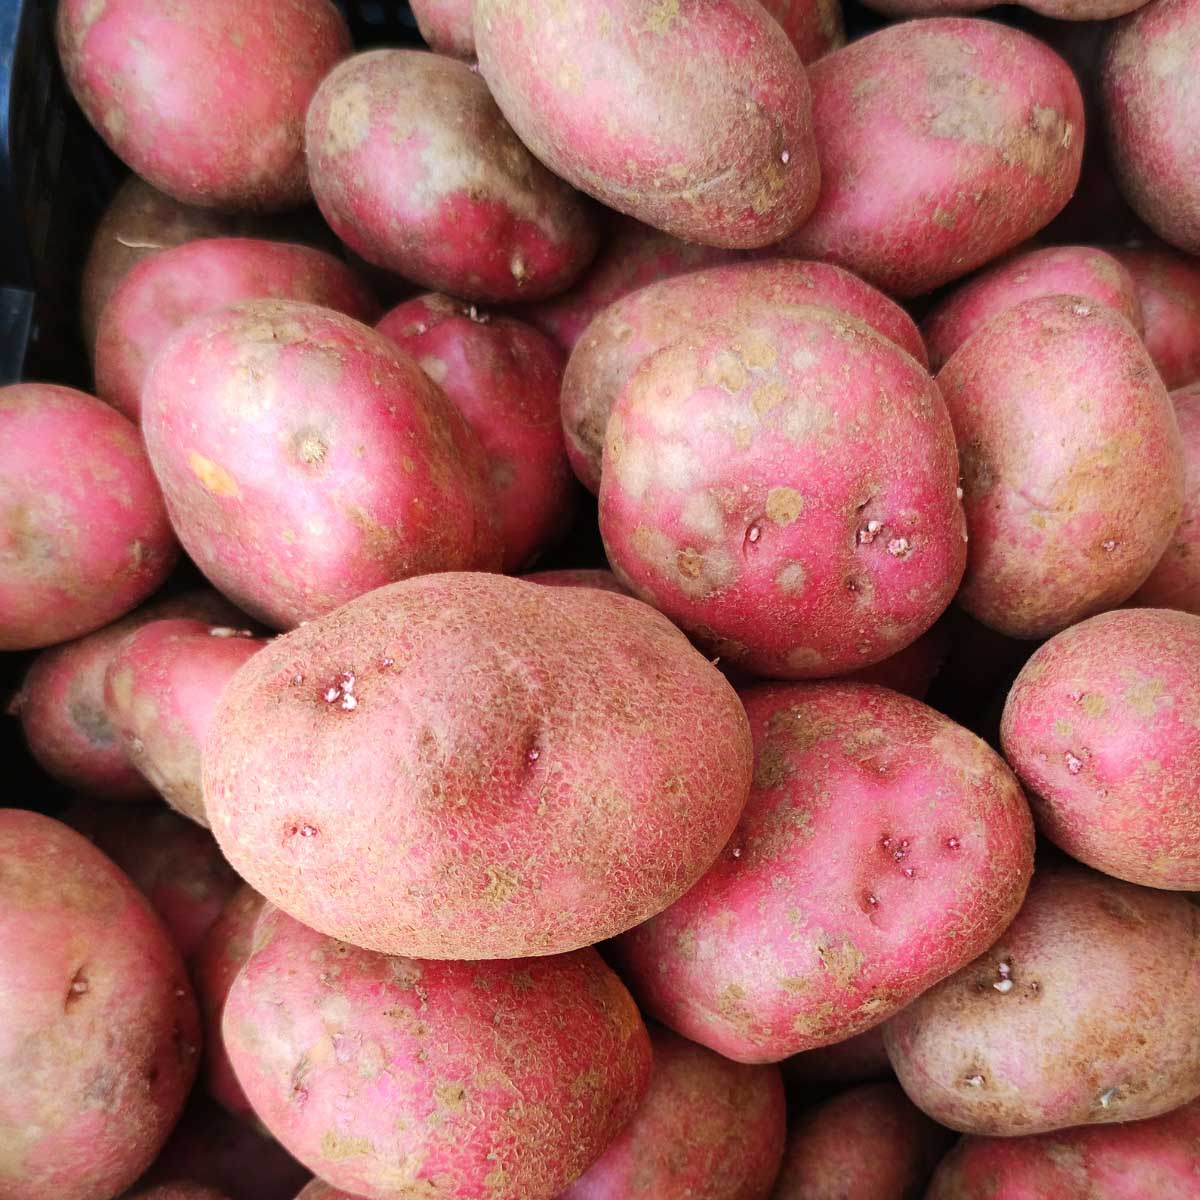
[1175, 581]
[814, 27]
[504, 377]
[160, 691]
[98, 1047]
[868, 1143]
[538, 768]
[84, 536]
[627, 333]
[176, 866]
[454, 201]
[1072, 464]
[693, 117]
[1168, 286]
[606, 581]
[795, 527]
[942, 144]
[1101, 1023]
[294, 495]
[61, 702]
[160, 295]
[206, 102]
[220, 956]
[1159, 1157]
[882, 848]
[387, 1075]
[1151, 93]
[447, 26]
[1059, 10]
[1083, 271]
[859, 1059]
[1103, 726]
[708, 1129]
[912, 670]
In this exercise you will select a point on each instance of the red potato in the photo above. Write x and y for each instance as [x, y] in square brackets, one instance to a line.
[1059, 10]
[943, 143]
[640, 324]
[606, 581]
[1175, 581]
[708, 1129]
[869, 1143]
[84, 536]
[176, 1191]
[504, 377]
[390, 1076]
[415, 169]
[814, 27]
[159, 296]
[1085, 1012]
[98, 1047]
[859, 1059]
[1168, 287]
[160, 691]
[61, 701]
[1071, 461]
[447, 25]
[882, 848]
[1083, 271]
[306, 460]
[783, 487]
[1151, 95]
[1103, 726]
[220, 956]
[913, 669]
[206, 101]
[536, 768]
[693, 118]
[176, 866]
[1159, 1158]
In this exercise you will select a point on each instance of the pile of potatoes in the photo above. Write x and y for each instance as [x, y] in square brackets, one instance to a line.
[621, 617]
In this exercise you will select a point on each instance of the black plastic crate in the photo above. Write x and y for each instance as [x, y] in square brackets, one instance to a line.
[57, 176]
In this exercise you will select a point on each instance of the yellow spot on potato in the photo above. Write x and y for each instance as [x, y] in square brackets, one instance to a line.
[784, 505]
[214, 477]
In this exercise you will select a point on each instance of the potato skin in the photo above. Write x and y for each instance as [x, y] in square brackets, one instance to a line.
[206, 102]
[447, 25]
[504, 377]
[904, 847]
[84, 536]
[1151, 92]
[606, 581]
[912, 670]
[868, 1143]
[100, 1035]
[160, 691]
[1158, 1158]
[814, 27]
[419, 1095]
[943, 143]
[1059, 10]
[1103, 725]
[293, 496]
[708, 1129]
[693, 117]
[795, 527]
[1168, 287]
[1101, 1024]
[457, 204]
[1072, 464]
[859, 1059]
[539, 768]
[159, 296]
[627, 333]
[1084, 271]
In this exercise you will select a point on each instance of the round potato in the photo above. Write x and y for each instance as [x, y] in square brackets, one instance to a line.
[882, 848]
[84, 536]
[393, 1075]
[814, 26]
[1085, 1012]
[294, 495]
[1168, 286]
[536, 768]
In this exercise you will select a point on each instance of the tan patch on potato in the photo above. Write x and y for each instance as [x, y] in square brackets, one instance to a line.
[791, 578]
[727, 371]
[784, 505]
[338, 1146]
[843, 961]
[349, 120]
[701, 514]
[662, 16]
[212, 475]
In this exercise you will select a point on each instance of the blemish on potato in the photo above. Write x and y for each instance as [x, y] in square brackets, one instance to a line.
[784, 505]
[212, 476]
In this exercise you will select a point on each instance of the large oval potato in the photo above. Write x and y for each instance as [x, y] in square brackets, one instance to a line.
[1071, 461]
[100, 1036]
[306, 459]
[415, 169]
[1085, 1012]
[534, 768]
[84, 536]
[393, 1076]
[942, 143]
[205, 100]
[882, 848]
[691, 117]
[783, 486]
